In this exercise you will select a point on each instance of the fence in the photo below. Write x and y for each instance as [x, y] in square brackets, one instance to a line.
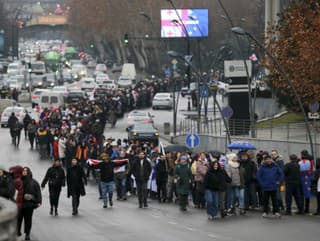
[241, 128]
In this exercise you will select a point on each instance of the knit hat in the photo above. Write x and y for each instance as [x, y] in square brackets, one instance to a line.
[184, 158]
[230, 157]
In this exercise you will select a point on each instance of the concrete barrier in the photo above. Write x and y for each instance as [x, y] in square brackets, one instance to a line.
[285, 148]
[8, 220]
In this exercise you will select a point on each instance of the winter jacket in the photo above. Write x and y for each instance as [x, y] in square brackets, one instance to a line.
[216, 180]
[62, 148]
[17, 174]
[82, 152]
[7, 188]
[55, 148]
[136, 170]
[314, 183]
[236, 173]
[183, 177]
[279, 162]
[250, 171]
[31, 187]
[269, 176]
[292, 173]
[43, 137]
[161, 171]
[201, 170]
[55, 176]
[76, 180]
[107, 170]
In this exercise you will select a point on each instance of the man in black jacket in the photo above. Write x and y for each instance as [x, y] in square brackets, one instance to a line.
[250, 167]
[162, 178]
[7, 188]
[292, 178]
[141, 171]
[76, 180]
[56, 177]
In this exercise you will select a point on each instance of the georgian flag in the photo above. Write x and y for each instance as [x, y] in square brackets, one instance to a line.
[93, 162]
[120, 168]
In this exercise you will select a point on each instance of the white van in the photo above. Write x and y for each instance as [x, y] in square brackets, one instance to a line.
[14, 69]
[38, 67]
[51, 99]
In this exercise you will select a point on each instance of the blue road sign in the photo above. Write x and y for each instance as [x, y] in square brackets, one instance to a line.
[192, 140]
[227, 112]
[204, 91]
[314, 107]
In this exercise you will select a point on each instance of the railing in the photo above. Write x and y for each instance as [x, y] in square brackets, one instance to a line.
[269, 131]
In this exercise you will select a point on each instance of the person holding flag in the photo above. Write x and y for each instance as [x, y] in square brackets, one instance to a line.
[106, 168]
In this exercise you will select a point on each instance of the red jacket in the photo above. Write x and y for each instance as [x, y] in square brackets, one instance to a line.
[17, 174]
[56, 149]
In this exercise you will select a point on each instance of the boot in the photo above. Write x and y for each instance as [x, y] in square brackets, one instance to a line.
[51, 211]
[56, 212]
[27, 236]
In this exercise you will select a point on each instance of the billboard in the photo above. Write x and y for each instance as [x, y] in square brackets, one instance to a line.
[236, 68]
[195, 21]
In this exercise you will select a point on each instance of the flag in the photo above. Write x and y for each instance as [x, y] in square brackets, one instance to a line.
[92, 162]
[253, 58]
[120, 168]
[161, 147]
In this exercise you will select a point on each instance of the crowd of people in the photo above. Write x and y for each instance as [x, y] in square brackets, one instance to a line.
[223, 184]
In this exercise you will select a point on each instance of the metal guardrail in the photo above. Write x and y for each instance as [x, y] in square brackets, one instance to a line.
[283, 132]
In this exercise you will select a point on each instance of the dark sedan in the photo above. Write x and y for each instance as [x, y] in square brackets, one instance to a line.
[143, 132]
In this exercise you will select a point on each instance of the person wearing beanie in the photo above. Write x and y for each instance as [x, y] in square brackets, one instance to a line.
[55, 176]
[236, 187]
[183, 180]
[269, 177]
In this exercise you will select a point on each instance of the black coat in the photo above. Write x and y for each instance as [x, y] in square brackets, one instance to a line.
[161, 172]
[7, 188]
[136, 170]
[31, 186]
[76, 179]
[216, 180]
[250, 171]
[56, 178]
[292, 173]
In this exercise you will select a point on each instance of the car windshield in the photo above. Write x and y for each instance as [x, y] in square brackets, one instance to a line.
[13, 67]
[163, 95]
[144, 127]
[37, 66]
[15, 110]
[138, 114]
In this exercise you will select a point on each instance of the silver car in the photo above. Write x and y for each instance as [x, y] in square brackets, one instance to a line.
[162, 100]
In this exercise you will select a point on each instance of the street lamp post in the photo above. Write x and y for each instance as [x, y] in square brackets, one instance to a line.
[177, 55]
[240, 31]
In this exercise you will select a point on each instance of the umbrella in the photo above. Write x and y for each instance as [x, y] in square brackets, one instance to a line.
[241, 145]
[52, 55]
[70, 50]
[177, 148]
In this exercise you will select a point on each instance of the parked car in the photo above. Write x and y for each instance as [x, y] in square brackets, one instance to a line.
[143, 132]
[19, 112]
[137, 116]
[162, 100]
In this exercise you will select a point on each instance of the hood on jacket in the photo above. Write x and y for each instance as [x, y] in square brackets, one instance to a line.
[16, 171]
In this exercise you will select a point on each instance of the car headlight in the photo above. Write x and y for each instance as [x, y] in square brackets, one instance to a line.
[156, 134]
[40, 83]
[52, 84]
[135, 133]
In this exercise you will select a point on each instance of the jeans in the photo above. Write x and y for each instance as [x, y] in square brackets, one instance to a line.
[54, 195]
[121, 186]
[266, 196]
[142, 192]
[171, 187]
[106, 191]
[212, 199]
[235, 194]
[250, 197]
[25, 214]
[293, 190]
[279, 198]
[31, 139]
[50, 150]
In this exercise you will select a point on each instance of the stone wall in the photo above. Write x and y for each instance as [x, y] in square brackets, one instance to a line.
[8, 220]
